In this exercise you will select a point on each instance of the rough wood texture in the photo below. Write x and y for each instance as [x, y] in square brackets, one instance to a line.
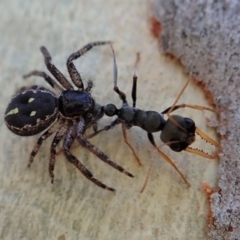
[204, 35]
[73, 208]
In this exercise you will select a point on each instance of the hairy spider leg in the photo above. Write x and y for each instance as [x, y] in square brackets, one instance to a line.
[89, 86]
[40, 140]
[74, 74]
[85, 143]
[47, 78]
[54, 71]
[58, 137]
[68, 141]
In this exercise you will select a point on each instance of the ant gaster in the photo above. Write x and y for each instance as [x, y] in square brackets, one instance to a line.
[177, 132]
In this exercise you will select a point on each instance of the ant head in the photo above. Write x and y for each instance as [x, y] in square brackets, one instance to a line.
[179, 129]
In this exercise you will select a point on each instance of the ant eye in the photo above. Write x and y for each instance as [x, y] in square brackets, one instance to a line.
[190, 124]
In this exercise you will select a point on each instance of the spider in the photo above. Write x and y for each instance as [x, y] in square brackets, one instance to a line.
[67, 113]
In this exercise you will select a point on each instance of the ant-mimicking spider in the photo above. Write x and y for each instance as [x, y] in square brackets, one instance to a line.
[68, 113]
[177, 132]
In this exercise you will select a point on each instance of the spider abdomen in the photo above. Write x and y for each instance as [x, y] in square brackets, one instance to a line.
[31, 111]
[73, 103]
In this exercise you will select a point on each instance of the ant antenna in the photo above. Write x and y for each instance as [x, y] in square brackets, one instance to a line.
[152, 163]
[115, 75]
[115, 69]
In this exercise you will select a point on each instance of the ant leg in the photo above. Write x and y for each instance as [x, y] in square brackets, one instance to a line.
[151, 166]
[129, 145]
[59, 135]
[149, 172]
[198, 107]
[74, 74]
[152, 141]
[48, 79]
[54, 71]
[68, 141]
[134, 86]
[85, 143]
[40, 140]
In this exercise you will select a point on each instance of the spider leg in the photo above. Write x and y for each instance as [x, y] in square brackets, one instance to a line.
[40, 140]
[54, 71]
[152, 141]
[48, 79]
[106, 128]
[68, 141]
[89, 86]
[129, 145]
[74, 74]
[95, 133]
[95, 151]
[59, 135]
[93, 121]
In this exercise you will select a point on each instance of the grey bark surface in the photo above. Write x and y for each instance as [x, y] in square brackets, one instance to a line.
[205, 36]
[74, 208]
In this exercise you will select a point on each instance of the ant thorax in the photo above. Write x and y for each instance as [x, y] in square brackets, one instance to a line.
[150, 121]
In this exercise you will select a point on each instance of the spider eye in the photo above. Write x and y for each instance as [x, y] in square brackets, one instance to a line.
[75, 103]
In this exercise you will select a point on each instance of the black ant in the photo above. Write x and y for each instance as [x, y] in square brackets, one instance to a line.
[177, 132]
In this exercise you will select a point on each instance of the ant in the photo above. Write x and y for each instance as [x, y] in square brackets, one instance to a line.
[177, 132]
